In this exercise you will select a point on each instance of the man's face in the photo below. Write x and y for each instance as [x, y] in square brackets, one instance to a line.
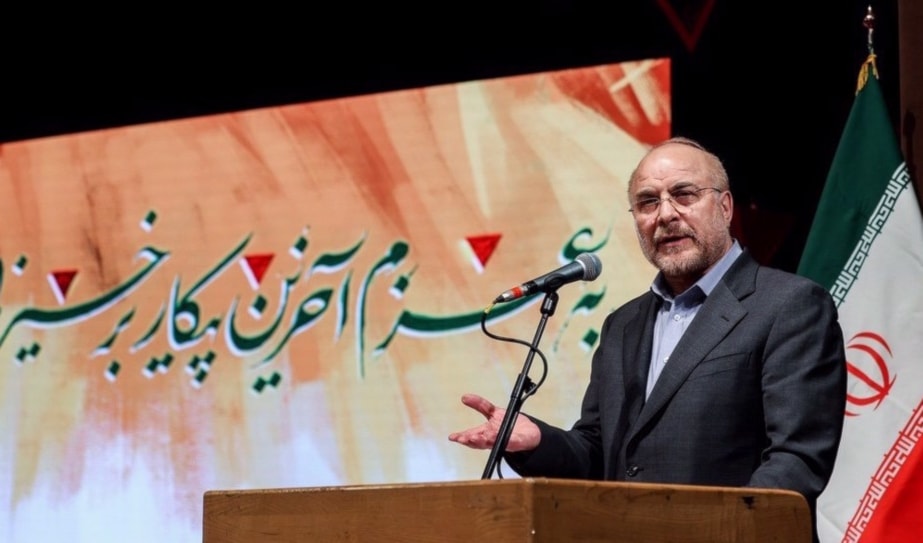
[683, 241]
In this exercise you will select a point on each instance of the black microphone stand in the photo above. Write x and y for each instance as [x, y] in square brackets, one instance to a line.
[523, 387]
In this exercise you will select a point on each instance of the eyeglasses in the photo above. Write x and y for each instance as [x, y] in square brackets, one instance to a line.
[681, 200]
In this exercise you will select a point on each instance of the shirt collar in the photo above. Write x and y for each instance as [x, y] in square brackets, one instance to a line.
[707, 282]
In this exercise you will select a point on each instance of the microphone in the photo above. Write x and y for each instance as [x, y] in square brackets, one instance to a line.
[585, 267]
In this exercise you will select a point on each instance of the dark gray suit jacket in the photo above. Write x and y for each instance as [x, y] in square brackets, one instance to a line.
[753, 395]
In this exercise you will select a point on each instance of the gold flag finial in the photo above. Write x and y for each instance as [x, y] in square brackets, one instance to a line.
[869, 23]
[869, 65]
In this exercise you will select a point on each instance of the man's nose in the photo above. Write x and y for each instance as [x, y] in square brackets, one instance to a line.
[667, 209]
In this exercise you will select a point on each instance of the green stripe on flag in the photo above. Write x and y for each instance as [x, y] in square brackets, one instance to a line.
[866, 161]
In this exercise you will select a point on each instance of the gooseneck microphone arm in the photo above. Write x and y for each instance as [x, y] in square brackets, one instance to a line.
[586, 267]
[521, 389]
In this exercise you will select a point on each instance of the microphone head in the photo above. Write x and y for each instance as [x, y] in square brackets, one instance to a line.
[592, 266]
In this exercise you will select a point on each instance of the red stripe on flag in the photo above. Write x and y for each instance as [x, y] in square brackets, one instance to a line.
[892, 508]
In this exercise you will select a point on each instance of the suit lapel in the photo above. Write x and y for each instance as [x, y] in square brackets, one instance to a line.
[719, 314]
[636, 361]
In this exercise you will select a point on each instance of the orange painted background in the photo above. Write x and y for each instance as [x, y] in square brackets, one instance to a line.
[290, 296]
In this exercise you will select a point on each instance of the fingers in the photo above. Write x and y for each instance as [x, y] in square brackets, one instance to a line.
[525, 434]
[480, 404]
[481, 437]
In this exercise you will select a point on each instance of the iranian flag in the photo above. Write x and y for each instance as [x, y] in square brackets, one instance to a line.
[866, 247]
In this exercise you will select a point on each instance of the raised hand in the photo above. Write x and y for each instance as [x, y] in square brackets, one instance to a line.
[524, 437]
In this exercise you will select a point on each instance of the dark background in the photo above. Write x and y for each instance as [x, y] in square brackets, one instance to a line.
[767, 85]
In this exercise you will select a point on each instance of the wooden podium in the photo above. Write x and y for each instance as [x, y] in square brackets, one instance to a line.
[507, 511]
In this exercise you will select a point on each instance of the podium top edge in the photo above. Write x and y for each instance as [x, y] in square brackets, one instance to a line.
[536, 482]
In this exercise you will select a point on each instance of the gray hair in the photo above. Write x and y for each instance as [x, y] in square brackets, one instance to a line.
[716, 171]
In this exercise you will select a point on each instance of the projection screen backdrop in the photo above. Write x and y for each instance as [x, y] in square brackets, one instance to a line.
[292, 296]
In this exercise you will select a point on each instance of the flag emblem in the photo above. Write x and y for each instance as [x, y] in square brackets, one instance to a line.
[867, 361]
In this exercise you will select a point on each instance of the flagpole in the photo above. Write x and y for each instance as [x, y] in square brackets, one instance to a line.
[869, 22]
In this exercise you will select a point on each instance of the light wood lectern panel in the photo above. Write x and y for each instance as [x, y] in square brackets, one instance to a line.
[507, 511]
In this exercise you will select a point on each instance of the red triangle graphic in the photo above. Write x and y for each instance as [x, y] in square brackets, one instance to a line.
[62, 281]
[483, 246]
[257, 265]
[697, 15]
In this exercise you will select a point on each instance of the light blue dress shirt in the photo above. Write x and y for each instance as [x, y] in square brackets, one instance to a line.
[677, 312]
